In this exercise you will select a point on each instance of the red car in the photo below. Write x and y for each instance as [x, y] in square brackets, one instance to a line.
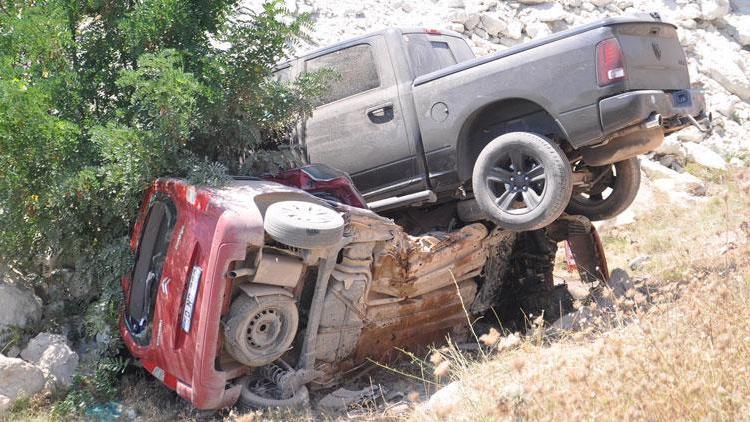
[257, 290]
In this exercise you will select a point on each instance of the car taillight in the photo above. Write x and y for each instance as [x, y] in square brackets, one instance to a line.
[610, 66]
[433, 31]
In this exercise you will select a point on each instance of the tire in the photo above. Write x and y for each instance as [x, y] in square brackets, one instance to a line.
[520, 204]
[250, 399]
[260, 329]
[305, 225]
[624, 184]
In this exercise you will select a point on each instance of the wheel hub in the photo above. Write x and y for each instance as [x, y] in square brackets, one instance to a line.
[264, 329]
[520, 182]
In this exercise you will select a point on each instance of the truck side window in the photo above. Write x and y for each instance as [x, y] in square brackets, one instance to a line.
[149, 262]
[427, 56]
[283, 74]
[354, 70]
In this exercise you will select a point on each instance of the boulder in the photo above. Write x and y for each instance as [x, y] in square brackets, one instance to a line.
[740, 26]
[714, 9]
[51, 354]
[679, 187]
[5, 403]
[730, 75]
[18, 305]
[445, 399]
[19, 378]
[704, 156]
[671, 146]
[456, 4]
[537, 30]
[493, 25]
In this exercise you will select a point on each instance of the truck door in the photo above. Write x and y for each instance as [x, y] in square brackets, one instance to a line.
[358, 125]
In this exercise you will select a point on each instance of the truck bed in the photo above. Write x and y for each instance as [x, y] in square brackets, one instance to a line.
[645, 19]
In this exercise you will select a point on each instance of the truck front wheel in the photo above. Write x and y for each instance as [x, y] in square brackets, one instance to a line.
[522, 181]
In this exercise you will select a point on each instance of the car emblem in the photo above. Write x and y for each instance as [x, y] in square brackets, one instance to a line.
[657, 50]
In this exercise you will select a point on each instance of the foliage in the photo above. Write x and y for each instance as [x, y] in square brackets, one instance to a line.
[100, 386]
[98, 98]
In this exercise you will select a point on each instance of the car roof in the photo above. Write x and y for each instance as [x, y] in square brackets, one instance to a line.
[353, 40]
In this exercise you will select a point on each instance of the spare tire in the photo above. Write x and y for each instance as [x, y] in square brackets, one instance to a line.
[522, 181]
[305, 225]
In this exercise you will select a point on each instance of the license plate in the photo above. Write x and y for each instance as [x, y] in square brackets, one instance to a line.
[187, 313]
[681, 99]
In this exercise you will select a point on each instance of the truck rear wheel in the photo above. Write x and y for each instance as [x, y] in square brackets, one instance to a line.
[614, 189]
[522, 181]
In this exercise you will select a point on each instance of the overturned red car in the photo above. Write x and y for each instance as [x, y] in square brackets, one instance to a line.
[259, 290]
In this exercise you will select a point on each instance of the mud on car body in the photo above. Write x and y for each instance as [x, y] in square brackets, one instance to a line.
[258, 291]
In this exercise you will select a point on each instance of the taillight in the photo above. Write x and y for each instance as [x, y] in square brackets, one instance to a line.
[610, 66]
[433, 31]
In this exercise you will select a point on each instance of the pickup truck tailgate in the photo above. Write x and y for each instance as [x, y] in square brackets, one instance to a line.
[653, 56]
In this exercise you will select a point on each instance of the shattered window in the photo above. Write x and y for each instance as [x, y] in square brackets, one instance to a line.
[354, 70]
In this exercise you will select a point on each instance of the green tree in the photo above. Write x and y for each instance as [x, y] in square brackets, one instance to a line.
[99, 97]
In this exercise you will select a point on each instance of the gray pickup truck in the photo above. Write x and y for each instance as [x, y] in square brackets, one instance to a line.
[517, 137]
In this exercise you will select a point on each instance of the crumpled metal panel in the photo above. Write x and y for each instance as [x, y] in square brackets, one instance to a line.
[411, 266]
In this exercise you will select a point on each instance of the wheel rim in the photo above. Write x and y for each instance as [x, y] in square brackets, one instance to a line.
[603, 186]
[307, 213]
[517, 182]
[266, 331]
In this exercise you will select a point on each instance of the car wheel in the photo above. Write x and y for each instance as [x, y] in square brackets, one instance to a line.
[259, 393]
[260, 329]
[614, 189]
[522, 181]
[305, 225]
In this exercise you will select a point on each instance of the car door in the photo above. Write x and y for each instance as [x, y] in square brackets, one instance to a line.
[358, 125]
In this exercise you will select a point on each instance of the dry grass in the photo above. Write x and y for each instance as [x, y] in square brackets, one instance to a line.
[685, 357]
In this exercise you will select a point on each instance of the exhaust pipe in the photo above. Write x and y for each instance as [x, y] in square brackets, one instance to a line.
[240, 272]
[653, 121]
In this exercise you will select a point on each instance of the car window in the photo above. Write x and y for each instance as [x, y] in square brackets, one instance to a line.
[149, 262]
[426, 55]
[354, 70]
[283, 74]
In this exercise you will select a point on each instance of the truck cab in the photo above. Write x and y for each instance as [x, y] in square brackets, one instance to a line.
[367, 124]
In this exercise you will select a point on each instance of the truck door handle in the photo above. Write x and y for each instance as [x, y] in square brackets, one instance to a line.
[379, 110]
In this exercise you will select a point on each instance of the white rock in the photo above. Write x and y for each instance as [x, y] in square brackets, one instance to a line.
[537, 30]
[730, 75]
[671, 146]
[704, 156]
[493, 25]
[456, 4]
[51, 353]
[445, 399]
[471, 21]
[690, 134]
[532, 1]
[19, 378]
[18, 306]
[679, 187]
[600, 3]
[548, 12]
[456, 27]
[5, 403]
[515, 30]
[737, 162]
[714, 9]
[741, 27]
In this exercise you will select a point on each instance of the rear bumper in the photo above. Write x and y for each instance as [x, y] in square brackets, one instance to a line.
[631, 108]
